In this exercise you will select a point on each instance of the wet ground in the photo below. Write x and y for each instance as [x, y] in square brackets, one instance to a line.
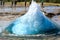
[52, 9]
[47, 9]
[12, 9]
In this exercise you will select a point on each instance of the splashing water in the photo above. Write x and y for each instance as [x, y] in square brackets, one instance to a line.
[33, 22]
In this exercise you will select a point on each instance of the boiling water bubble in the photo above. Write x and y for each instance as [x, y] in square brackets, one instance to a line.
[33, 22]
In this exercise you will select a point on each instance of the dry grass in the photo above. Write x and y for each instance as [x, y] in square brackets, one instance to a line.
[23, 4]
[51, 4]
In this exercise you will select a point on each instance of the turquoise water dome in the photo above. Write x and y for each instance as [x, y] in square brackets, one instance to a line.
[33, 22]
